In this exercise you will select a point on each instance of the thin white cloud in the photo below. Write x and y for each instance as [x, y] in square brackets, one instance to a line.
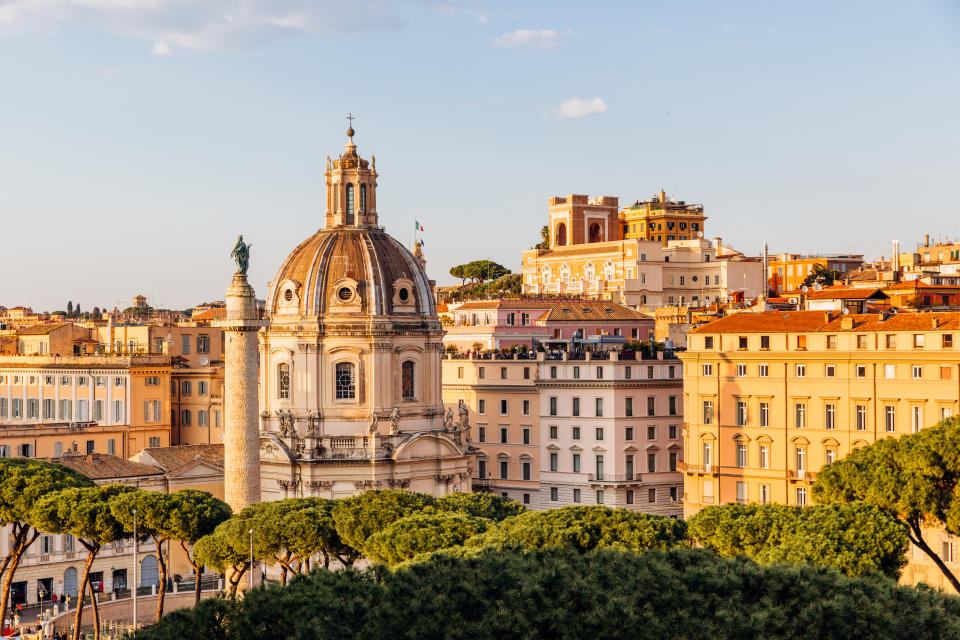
[161, 49]
[205, 25]
[579, 107]
[532, 39]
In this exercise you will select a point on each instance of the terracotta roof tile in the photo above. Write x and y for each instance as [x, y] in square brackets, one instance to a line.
[172, 459]
[843, 293]
[816, 321]
[561, 310]
[103, 466]
[41, 329]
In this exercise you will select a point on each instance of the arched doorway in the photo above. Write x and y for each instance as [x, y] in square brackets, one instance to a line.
[70, 582]
[149, 572]
[560, 238]
[596, 232]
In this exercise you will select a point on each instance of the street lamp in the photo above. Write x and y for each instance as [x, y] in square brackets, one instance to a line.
[135, 550]
[251, 559]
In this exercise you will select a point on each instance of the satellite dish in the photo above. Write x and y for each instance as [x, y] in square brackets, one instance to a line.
[845, 311]
[804, 288]
[204, 361]
[817, 286]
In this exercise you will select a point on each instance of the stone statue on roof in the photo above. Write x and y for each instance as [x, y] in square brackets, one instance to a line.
[241, 255]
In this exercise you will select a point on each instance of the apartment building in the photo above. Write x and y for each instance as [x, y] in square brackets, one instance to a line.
[502, 401]
[772, 397]
[50, 405]
[787, 271]
[610, 432]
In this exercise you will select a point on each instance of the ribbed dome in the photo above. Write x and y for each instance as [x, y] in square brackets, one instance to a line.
[356, 270]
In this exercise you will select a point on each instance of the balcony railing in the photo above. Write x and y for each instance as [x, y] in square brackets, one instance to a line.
[610, 477]
[710, 469]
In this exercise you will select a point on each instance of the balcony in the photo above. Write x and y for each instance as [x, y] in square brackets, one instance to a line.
[613, 478]
[709, 469]
[801, 475]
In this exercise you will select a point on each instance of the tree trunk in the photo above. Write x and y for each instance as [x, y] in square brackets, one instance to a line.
[82, 591]
[19, 545]
[196, 572]
[918, 540]
[96, 611]
[162, 591]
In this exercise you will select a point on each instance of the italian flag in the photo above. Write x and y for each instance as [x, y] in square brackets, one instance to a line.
[417, 226]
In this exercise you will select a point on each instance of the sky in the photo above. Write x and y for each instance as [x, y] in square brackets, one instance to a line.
[139, 137]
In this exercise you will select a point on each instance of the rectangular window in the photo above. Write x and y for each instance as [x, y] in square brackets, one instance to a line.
[829, 371]
[764, 342]
[891, 340]
[576, 495]
[651, 462]
[764, 494]
[576, 373]
[48, 409]
[599, 407]
[673, 460]
[599, 373]
[526, 373]
[741, 413]
[764, 414]
[800, 415]
[889, 371]
[503, 435]
[503, 373]
[946, 341]
[672, 405]
[504, 469]
[916, 418]
[481, 433]
[830, 416]
[503, 407]
[629, 496]
[203, 387]
[708, 370]
[707, 412]
[742, 343]
[98, 410]
[575, 433]
[917, 372]
[203, 343]
[554, 432]
[576, 463]
[918, 340]
[65, 409]
[651, 432]
[741, 492]
[554, 462]
[764, 451]
[599, 433]
[152, 381]
[216, 418]
[575, 410]
[741, 370]
[708, 342]
[525, 407]
[831, 342]
[947, 553]
[185, 418]
[651, 495]
[186, 388]
[763, 371]
[628, 433]
[481, 372]
[33, 408]
[801, 370]
[800, 457]
[651, 405]
[553, 405]
[741, 454]
[861, 342]
[673, 432]
[599, 466]
[890, 418]
[861, 371]
[861, 417]
[459, 372]
[801, 343]
[801, 496]
[553, 372]
[202, 418]
[628, 372]
[674, 494]
[554, 494]
[186, 344]
[628, 407]
[525, 470]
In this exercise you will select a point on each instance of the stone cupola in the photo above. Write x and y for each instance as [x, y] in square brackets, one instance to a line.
[351, 188]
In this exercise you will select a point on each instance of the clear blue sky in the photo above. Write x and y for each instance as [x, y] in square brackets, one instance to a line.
[137, 139]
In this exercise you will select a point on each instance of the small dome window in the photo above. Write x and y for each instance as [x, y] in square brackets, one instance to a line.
[288, 295]
[345, 294]
[404, 294]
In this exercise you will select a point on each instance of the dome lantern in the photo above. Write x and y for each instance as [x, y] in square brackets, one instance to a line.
[351, 189]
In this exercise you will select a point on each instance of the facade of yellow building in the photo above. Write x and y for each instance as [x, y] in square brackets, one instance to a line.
[787, 271]
[772, 397]
[660, 219]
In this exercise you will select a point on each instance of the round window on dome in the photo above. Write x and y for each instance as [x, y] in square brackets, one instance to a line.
[404, 294]
[288, 295]
[344, 294]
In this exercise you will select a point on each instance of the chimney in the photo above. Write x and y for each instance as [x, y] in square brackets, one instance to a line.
[718, 243]
[934, 322]
[827, 317]
[926, 240]
[846, 323]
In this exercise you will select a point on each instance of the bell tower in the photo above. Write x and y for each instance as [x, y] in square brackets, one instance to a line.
[351, 188]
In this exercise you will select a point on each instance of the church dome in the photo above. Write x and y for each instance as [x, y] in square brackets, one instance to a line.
[351, 270]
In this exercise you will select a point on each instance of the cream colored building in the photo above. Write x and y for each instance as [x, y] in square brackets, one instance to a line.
[350, 369]
[771, 397]
[588, 257]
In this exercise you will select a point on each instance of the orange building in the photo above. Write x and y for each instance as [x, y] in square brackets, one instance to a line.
[661, 220]
[787, 271]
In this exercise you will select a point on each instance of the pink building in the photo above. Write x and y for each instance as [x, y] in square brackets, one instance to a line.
[496, 324]
[610, 431]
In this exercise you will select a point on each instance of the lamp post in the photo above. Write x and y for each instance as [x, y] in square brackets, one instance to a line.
[135, 550]
[251, 559]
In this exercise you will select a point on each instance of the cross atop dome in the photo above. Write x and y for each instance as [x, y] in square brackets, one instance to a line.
[350, 130]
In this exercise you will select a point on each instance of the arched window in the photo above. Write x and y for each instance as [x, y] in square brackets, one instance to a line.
[283, 381]
[596, 233]
[407, 384]
[149, 572]
[561, 236]
[346, 381]
[70, 582]
[363, 198]
[349, 204]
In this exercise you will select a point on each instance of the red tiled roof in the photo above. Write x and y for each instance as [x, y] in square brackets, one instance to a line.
[844, 293]
[41, 329]
[103, 466]
[217, 313]
[561, 310]
[816, 321]
[175, 458]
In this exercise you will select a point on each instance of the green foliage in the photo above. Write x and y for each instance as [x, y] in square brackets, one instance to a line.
[23, 481]
[558, 593]
[422, 533]
[507, 285]
[84, 512]
[585, 528]
[821, 275]
[544, 238]
[481, 505]
[358, 517]
[916, 478]
[479, 271]
[853, 538]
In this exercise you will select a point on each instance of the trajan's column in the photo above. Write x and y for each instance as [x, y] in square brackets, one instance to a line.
[241, 439]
